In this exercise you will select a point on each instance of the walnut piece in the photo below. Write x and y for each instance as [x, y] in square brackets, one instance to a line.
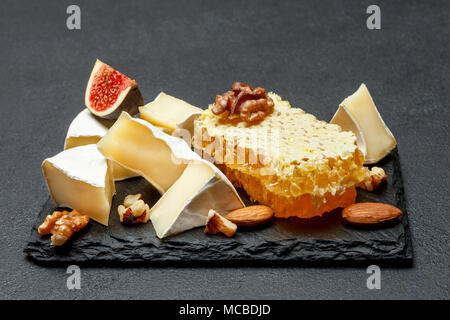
[62, 225]
[137, 211]
[244, 103]
[376, 177]
[216, 223]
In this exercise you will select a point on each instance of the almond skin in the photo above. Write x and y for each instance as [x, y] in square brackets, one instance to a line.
[250, 216]
[369, 213]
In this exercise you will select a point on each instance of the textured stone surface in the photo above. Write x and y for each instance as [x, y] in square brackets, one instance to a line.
[282, 241]
[313, 54]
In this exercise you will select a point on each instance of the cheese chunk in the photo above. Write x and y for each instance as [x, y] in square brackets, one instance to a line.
[379, 140]
[147, 150]
[82, 179]
[168, 112]
[88, 129]
[186, 204]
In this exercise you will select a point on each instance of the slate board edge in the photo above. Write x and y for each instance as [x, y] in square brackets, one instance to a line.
[292, 251]
[401, 204]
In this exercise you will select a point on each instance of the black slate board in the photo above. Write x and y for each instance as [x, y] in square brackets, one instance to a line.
[294, 241]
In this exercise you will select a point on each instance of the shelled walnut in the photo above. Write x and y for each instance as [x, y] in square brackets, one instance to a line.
[134, 210]
[244, 103]
[62, 225]
[376, 177]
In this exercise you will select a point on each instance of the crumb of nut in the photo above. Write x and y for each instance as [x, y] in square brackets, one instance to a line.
[216, 223]
[243, 102]
[131, 198]
[62, 225]
[376, 177]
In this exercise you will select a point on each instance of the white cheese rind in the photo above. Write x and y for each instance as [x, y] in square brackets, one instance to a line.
[81, 178]
[187, 202]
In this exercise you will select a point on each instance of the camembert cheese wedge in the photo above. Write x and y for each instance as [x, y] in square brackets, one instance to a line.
[358, 113]
[81, 178]
[88, 129]
[147, 150]
[186, 204]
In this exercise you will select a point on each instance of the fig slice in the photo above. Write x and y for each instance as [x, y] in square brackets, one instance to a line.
[110, 92]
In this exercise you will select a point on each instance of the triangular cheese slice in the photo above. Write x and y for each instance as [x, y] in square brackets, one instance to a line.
[82, 179]
[361, 109]
[186, 204]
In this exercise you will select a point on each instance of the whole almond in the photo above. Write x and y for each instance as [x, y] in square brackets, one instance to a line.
[370, 213]
[250, 216]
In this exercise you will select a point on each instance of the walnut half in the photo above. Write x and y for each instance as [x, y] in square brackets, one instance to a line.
[244, 103]
[62, 225]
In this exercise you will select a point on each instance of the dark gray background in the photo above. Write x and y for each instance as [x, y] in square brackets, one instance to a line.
[311, 53]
